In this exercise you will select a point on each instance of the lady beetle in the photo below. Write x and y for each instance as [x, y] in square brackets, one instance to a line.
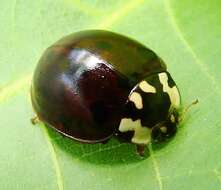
[95, 84]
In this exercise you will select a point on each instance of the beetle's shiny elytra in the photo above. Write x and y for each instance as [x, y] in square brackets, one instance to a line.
[95, 84]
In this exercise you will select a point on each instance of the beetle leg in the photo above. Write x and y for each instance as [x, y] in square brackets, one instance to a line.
[35, 120]
[105, 142]
[140, 149]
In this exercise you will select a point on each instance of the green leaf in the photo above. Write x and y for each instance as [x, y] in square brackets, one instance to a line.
[186, 34]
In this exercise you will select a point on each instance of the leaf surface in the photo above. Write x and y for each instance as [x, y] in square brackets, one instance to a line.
[186, 34]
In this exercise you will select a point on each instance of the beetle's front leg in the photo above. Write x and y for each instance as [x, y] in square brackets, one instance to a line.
[35, 120]
[140, 149]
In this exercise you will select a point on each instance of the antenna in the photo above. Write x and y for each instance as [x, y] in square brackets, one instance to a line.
[186, 109]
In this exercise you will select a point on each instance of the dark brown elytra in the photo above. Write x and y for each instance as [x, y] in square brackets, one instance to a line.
[82, 82]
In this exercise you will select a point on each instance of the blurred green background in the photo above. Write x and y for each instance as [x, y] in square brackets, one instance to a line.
[186, 34]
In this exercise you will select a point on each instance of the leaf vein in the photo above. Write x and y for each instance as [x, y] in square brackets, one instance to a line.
[54, 159]
[101, 150]
[156, 167]
[85, 8]
[111, 19]
[218, 175]
[13, 87]
[14, 11]
[188, 174]
[182, 38]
